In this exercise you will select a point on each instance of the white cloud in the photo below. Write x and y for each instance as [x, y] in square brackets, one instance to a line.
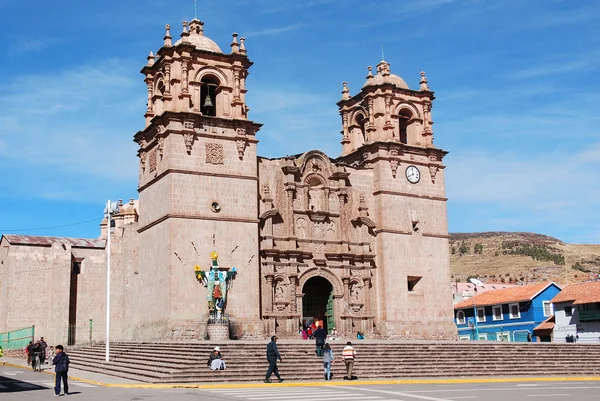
[272, 31]
[22, 46]
[67, 133]
[524, 178]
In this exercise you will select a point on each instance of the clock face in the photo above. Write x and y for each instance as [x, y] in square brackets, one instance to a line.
[413, 174]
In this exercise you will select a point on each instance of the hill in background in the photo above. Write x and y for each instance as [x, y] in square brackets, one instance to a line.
[512, 257]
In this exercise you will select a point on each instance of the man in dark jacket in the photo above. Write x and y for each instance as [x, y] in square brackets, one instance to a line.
[320, 335]
[43, 345]
[272, 357]
[61, 366]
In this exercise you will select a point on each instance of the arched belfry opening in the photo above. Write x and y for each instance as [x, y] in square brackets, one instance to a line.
[317, 303]
[405, 118]
[209, 86]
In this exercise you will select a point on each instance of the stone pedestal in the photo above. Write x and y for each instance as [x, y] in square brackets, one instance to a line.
[217, 331]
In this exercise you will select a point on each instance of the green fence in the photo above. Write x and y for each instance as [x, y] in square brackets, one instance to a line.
[17, 339]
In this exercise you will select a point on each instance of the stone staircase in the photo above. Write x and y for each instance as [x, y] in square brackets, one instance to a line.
[185, 362]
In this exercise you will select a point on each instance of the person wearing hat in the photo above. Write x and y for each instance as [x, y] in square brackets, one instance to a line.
[272, 357]
[215, 360]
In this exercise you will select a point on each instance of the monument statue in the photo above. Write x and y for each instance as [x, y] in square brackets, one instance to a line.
[217, 283]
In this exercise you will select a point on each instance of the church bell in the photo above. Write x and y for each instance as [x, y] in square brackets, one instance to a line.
[207, 100]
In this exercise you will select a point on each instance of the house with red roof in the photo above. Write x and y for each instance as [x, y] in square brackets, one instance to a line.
[577, 313]
[508, 314]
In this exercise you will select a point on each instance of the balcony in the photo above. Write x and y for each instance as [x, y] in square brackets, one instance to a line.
[589, 315]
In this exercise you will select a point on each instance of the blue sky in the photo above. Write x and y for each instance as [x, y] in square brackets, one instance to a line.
[518, 99]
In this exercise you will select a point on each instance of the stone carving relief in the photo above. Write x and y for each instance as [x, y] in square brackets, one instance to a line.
[280, 295]
[161, 146]
[152, 159]
[143, 160]
[189, 142]
[318, 247]
[394, 163]
[214, 153]
[301, 227]
[241, 147]
[432, 172]
[356, 296]
[324, 229]
[188, 125]
[241, 131]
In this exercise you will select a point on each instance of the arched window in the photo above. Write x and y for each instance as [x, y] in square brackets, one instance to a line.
[404, 120]
[158, 97]
[460, 317]
[208, 95]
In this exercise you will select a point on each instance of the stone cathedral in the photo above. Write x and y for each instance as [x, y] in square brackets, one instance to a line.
[358, 242]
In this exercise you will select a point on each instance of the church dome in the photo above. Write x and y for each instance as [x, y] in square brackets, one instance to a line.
[387, 79]
[384, 77]
[196, 37]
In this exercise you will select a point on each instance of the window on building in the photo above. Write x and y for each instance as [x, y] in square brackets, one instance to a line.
[412, 282]
[568, 311]
[460, 317]
[547, 308]
[514, 311]
[497, 312]
[480, 315]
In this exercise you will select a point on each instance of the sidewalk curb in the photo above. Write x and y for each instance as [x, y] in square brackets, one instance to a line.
[320, 383]
[337, 383]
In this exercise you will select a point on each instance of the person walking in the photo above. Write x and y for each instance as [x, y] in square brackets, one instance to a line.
[320, 335]
[348, 355]
[61, 367]
[44, 346]
[327, 360]
[272, 357]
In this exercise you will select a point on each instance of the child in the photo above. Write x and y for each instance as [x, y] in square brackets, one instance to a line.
[50, 355]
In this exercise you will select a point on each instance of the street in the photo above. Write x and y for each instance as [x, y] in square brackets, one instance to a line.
[20, 383]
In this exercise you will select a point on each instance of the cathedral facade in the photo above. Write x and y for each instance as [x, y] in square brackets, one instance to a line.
[358, 242]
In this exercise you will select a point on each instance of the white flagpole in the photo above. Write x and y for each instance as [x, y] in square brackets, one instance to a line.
[108, 280]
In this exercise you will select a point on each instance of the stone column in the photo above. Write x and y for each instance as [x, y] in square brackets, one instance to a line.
[343, 215]
[167, 79]
[150, 85]
[290, 210]
[292, 294]
[269, 294]
[184, 76]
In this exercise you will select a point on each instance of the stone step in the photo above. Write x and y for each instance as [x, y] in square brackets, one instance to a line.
[186, 362]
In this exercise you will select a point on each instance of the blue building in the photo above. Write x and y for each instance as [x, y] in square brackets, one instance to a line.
[509, 314]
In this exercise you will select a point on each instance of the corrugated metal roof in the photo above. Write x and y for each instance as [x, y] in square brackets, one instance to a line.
[503, 296]
[15, 239]
[580, 293]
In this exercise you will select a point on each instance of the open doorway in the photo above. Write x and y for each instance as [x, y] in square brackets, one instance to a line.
[317, 303]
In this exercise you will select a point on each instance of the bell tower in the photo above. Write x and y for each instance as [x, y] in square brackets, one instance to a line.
[198, 178]
[387, 134]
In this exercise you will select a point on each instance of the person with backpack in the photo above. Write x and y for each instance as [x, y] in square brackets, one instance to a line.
[327, 360]
[61, 367]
